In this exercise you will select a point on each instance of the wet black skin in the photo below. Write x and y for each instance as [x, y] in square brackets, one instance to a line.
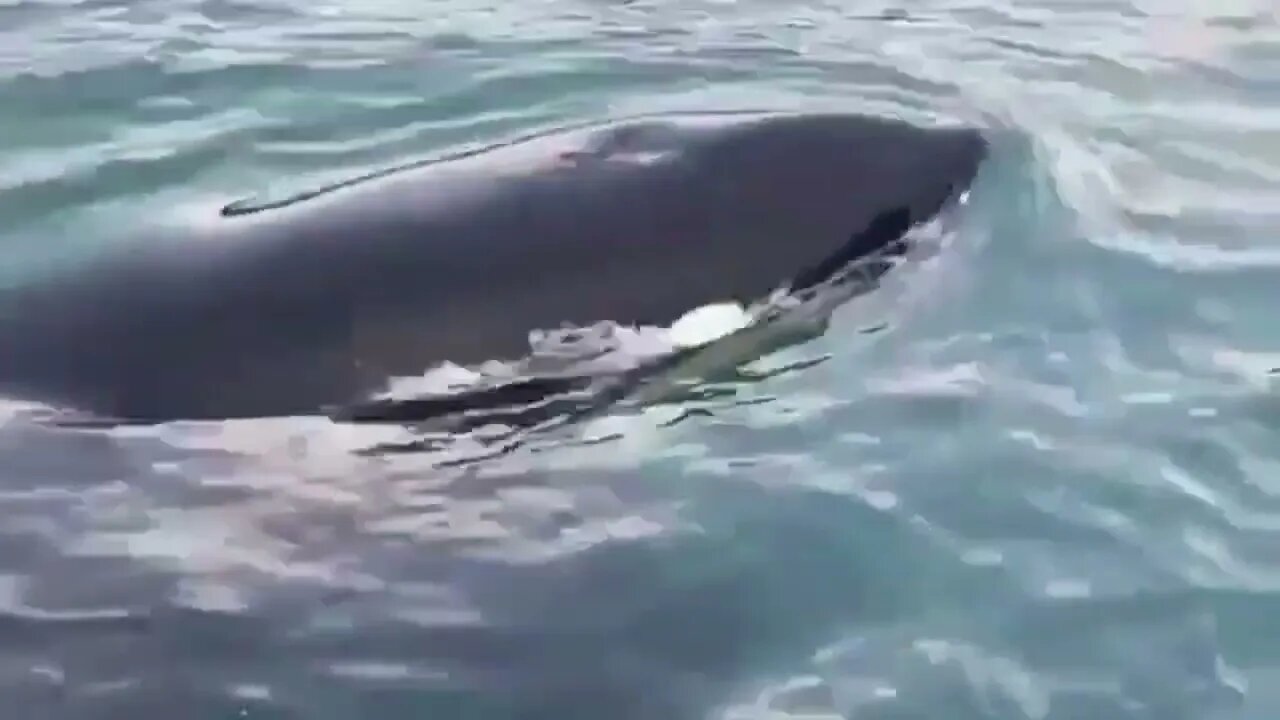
[315, 303]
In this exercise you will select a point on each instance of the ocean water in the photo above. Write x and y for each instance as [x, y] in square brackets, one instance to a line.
[1047, 488]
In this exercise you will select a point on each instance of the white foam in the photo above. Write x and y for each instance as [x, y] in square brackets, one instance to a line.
[707, 324]
[600, 349]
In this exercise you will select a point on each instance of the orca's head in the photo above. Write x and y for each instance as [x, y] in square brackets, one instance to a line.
[804, 195]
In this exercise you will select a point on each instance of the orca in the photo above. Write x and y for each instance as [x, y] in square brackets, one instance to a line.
[312, 304]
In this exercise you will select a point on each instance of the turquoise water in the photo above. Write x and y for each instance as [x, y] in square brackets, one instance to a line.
[1047, 489]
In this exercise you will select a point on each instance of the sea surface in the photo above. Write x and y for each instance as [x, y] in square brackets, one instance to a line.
[1048, 487]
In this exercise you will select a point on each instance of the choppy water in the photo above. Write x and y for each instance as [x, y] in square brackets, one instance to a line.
[1047, 490]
